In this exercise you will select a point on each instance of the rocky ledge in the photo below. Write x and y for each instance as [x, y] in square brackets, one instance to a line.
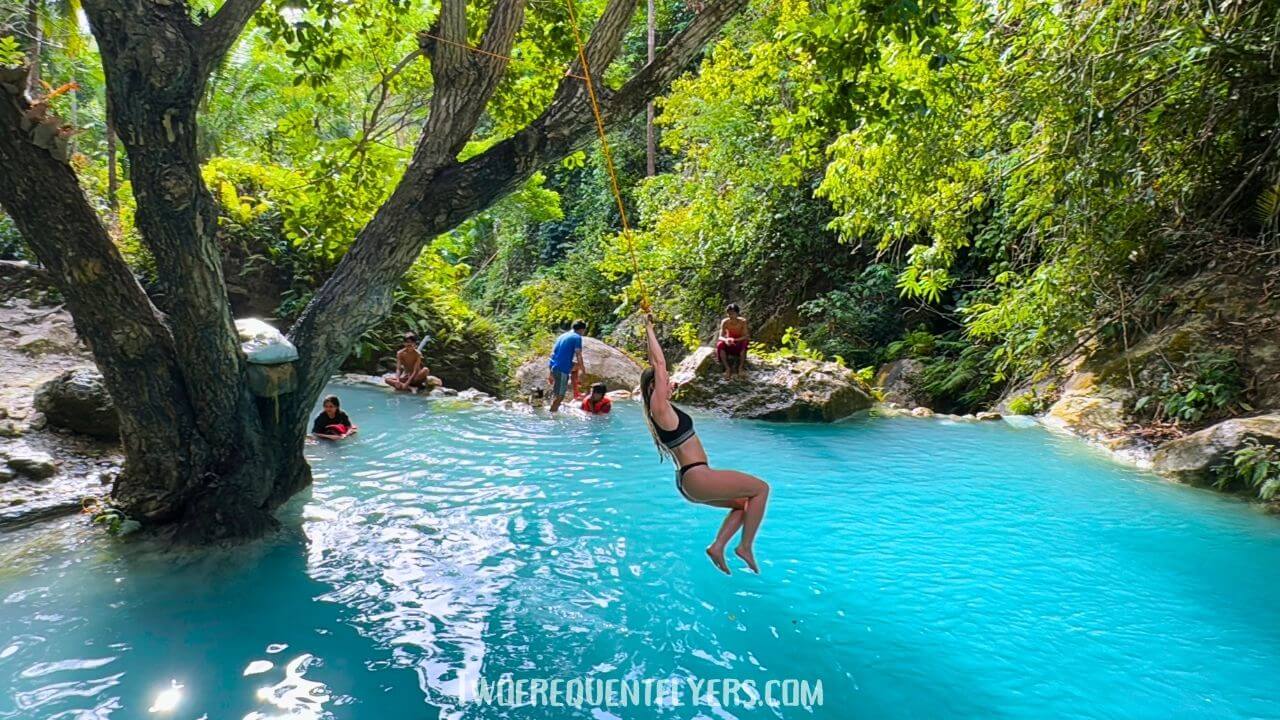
[1197, 458]
[771, 389]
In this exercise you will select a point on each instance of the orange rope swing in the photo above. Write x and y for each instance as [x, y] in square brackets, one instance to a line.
[600, 130]
[608, 155]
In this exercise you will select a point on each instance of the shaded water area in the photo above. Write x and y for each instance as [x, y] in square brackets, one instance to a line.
[918, 569]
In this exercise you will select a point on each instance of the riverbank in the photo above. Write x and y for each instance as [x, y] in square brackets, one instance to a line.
[43, 473]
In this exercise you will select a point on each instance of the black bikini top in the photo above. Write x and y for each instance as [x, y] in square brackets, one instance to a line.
[676, 437]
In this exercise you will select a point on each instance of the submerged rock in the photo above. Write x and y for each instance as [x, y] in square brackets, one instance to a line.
[1195, 458]
[771, 389]
[360, 379]
[898, 382]
[601, 362]
[889, 410]
[77, 400]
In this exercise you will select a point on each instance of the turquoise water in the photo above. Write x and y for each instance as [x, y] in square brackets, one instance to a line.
[918, 569]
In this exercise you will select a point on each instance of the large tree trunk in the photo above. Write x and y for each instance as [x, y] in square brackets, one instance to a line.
[173, 472]
[156, 67]
[201, 450]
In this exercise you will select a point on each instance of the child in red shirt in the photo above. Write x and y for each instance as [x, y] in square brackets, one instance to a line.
[596, 403]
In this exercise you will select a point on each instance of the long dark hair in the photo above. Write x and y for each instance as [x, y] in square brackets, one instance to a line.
[332, 399]
[646, 393]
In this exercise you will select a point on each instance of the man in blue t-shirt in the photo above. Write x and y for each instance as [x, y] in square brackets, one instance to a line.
[566, 355]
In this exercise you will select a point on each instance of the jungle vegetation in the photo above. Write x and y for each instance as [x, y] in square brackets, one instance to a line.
[981, 186]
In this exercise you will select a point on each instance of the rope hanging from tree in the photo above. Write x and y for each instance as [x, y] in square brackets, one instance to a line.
[608, 154]
[614, 186]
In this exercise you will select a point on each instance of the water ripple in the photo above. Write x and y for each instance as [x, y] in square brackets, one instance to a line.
[916, 568]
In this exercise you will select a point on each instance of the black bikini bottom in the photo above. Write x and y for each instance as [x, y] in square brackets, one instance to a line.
[680, 479]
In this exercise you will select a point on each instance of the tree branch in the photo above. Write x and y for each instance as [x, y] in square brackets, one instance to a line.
[560, 130]
[500, 34]
[606, 37]
[674, 59]
[219, 33]
[601, 48]
[452, 26]
[464, 84]
[426, 204]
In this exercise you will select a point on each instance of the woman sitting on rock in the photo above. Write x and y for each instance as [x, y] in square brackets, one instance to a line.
[332, 423]
[744, 495]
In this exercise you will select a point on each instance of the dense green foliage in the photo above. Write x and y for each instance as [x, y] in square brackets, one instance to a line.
[978, 186]
[973, 191]
[1254, 467]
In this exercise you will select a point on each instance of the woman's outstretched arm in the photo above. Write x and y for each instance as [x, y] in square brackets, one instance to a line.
[661, 382]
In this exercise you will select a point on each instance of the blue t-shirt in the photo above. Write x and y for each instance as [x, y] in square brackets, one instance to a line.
[567, 345]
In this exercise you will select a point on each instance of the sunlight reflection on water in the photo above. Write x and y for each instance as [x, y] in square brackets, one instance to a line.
[918, 568]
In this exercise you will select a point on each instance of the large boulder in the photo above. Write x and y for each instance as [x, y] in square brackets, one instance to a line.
[77, 400]
[1195, 458]
[899, 381]
[1093, 410]
[771, 389]
[601, 362]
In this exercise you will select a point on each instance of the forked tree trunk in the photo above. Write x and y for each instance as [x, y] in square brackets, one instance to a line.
[203, 452]
[173, 473]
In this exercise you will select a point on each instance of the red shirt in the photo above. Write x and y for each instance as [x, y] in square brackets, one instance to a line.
[600, 408]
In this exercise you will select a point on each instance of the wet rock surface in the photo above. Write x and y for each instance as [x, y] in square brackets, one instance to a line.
[1195, 458]
[898, 381]
[1093, 410]
[771, 389]
[43, 472]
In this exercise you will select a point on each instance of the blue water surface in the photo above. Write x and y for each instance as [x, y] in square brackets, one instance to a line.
[915, 568]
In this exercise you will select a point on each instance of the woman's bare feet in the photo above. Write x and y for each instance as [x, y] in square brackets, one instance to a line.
[748, 556]
[717, 556]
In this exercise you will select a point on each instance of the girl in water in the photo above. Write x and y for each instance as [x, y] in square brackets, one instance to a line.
[744, 495]
[332, 423]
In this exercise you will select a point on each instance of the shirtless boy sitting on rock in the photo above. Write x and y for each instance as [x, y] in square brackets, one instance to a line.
[410, 373]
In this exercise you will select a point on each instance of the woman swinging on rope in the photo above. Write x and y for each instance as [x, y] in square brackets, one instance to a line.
[744, 495]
